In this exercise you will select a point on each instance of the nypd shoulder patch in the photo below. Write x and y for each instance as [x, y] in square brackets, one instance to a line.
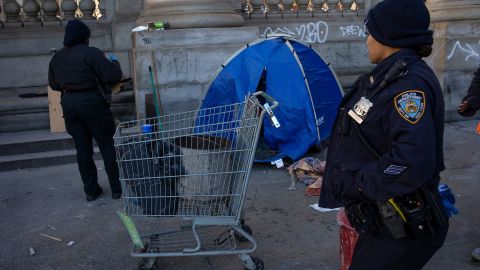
[410, 105]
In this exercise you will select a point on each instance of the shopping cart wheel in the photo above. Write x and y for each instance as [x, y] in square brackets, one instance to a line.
[148, 264]
[240, 237]
[258, 263]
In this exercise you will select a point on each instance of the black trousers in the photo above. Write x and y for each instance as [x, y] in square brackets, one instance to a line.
[375, 251]
[88, 116]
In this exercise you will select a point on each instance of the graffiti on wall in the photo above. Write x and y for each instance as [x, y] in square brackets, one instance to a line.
[176, 67]
[315, 32]
[465, 49]
[353, 30]
[310, 32]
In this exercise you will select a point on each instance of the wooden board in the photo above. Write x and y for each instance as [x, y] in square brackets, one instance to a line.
[57, 123]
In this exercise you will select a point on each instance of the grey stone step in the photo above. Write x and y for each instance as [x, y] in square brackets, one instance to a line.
[40, 159]
[37, 148]
[33, 141]
[20, 114]
[24, 121]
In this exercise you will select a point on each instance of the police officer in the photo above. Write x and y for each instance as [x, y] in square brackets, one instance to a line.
[78, 71]
[386, 150]
[471, 102]
[469, 106]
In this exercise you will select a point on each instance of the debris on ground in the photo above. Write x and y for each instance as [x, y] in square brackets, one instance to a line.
[71, 243]
[476, 255]
[32, 252]
[51, 227]
[51, 237]
[309, 171]
[81, 216]
[321, 209]
[279, 163]
[314, 189]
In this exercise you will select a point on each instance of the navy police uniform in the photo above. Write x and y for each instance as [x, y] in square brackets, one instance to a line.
[385, 156]
[77, 70]
[405, 125]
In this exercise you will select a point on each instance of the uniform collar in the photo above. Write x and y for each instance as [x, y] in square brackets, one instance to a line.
[377, 74]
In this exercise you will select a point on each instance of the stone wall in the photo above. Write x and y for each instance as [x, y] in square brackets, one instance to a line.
[25, 52]
[184, 62]
[455, 57]
[187, 59]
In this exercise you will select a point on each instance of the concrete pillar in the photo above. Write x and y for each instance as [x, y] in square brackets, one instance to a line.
[183, 62]
[456, 48]
[191, 13]
[458, 10]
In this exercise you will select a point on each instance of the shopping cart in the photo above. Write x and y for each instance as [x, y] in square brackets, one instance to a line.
[193, 165]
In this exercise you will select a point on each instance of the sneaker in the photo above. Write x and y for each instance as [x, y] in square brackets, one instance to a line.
[94, 196]
[116, 195]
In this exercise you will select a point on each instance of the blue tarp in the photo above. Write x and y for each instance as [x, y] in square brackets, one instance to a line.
[306, 117]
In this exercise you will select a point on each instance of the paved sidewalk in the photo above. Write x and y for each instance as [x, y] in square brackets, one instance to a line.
[289, 233]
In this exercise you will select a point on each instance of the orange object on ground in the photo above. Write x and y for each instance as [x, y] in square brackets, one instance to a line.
[348, 240]
[315, 188]
[478, 128]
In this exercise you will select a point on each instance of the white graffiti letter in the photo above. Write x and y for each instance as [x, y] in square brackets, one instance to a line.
[354, 30]
[311, 32]
[470, 52]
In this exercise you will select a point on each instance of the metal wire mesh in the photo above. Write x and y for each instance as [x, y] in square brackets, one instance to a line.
[213, 238]
[191, 164]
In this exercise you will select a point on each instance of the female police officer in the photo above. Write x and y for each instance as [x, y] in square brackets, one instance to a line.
[77, 70]
[385, 153]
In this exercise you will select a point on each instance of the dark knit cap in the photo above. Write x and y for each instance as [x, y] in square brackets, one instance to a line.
[400, 23]
[75, 32]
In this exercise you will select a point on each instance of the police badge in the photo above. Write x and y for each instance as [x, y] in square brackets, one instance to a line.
[360, 110]
[410, 105]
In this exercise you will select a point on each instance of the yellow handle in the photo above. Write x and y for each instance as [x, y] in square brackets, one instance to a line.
[395, 205]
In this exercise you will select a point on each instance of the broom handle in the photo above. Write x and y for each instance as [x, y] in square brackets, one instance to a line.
[154, 91]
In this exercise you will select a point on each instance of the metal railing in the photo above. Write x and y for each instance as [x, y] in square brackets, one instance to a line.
[251, 8]
[48, 11]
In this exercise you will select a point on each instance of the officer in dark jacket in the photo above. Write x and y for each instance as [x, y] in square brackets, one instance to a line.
[78, 70]
[471, 102]
[469, 106]
[386, 149]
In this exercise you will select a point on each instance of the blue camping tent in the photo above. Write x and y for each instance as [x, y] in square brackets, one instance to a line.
[294, 75]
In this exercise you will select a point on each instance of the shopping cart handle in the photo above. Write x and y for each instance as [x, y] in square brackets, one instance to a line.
[268, 98]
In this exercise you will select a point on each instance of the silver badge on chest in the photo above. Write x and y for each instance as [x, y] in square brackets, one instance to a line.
[360, 110]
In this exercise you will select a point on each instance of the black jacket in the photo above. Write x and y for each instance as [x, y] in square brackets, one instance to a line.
[77, 68]
[405, 126]
[473, 95]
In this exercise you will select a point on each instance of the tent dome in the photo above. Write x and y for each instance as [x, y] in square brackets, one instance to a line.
[294, 75]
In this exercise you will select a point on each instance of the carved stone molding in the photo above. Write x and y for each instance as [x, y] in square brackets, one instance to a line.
[458, 10]
[190, 13]
[252, 8]
[43, 11]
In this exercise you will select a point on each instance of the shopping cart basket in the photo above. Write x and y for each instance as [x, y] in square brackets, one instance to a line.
[194, 165]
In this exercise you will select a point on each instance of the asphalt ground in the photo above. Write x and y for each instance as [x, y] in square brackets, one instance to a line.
[290, 235]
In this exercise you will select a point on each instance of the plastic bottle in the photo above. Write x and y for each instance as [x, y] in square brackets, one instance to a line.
[146, 129]
[158, 25]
